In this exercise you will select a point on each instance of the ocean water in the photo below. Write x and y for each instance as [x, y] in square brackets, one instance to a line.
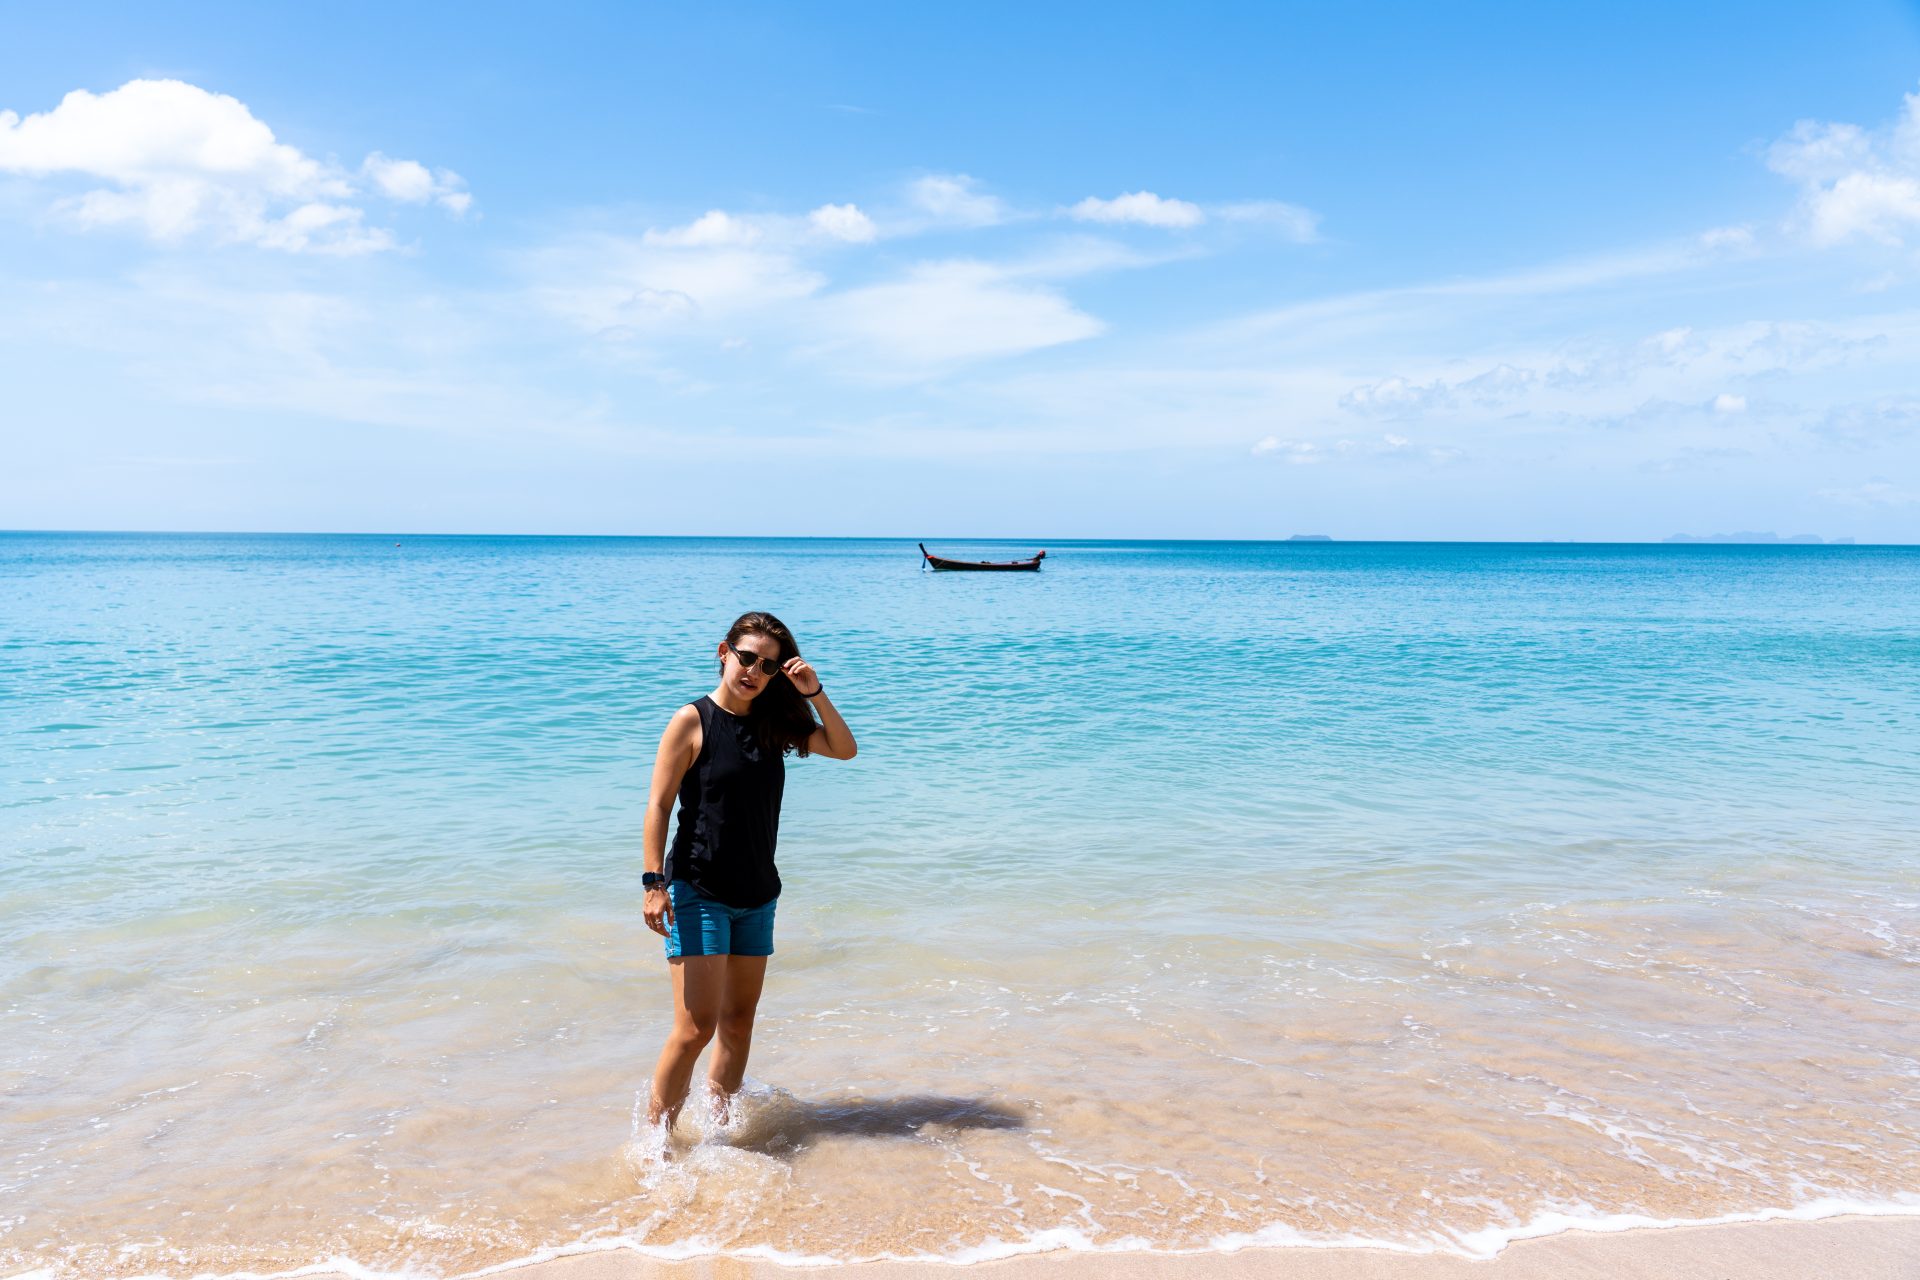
[1183, 895]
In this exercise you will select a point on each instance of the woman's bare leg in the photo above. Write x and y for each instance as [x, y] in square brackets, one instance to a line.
[740, 998]
[699, 984]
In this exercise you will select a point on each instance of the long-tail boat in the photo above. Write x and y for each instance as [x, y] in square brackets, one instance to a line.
[941, 562]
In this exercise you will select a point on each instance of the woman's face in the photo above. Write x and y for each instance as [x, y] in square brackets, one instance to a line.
[746, 663]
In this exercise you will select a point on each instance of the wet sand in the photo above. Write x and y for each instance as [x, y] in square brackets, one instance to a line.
[1845, 1248]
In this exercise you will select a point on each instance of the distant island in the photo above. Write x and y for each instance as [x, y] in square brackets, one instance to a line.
[1802, 539]
[1310, 537]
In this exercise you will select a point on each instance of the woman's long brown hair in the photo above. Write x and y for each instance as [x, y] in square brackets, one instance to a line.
[781, 719]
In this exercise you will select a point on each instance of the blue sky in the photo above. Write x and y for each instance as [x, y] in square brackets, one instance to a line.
[1026, 271]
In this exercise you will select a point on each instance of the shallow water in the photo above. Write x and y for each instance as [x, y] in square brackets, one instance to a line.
[1181, 894]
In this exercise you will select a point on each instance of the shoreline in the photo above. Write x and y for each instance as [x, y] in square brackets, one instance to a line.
[1851, 1245]
[1858, 1247]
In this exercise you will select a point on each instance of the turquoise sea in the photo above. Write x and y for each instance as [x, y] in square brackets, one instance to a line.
[1182, 895]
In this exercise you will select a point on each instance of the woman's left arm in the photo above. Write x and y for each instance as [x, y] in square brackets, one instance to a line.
[832, 738]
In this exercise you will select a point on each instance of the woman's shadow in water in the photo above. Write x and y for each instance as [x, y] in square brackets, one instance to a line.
[906, 1117]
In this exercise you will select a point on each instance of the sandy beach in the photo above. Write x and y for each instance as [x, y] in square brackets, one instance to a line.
[1853, 1248]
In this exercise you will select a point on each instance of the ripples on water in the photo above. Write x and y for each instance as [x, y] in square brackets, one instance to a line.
[1181, 894]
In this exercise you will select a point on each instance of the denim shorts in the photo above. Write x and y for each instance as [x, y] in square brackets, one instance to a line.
[704, 927]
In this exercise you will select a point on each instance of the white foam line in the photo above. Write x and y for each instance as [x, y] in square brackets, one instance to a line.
[1477, 1245]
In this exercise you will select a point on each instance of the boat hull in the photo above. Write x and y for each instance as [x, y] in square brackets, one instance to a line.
[982, 566]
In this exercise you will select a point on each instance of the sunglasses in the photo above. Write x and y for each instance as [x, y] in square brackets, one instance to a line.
[747, 660]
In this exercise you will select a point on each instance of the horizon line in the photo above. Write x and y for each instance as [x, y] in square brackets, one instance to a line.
[1673, 540]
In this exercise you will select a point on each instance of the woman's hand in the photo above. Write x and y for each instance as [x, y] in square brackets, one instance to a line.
[658, 910]
[804, 677]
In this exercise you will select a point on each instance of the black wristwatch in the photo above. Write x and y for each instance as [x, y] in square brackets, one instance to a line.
[652, 880]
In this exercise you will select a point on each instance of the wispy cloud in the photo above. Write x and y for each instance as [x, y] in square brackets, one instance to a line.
[698, 280]
[1445, 305]
[943, 313]
[1301, 453]
[1291, 220]
[728, 281]
[767, 281]
[1861, 426]
[1873, 493]
[956, 199]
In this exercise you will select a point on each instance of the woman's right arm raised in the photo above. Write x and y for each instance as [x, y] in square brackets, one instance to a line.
[679, 746]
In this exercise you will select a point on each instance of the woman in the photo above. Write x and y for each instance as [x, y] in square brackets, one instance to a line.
[712, 896]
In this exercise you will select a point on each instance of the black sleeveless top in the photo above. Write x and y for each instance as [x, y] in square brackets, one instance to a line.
[729, 813]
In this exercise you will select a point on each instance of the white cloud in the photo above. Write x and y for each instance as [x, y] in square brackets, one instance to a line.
[1298, 452]
[1877, 206]
[955, 198]
[1855, 183]
[324, 228]
[1139, 206]
[407, 180]
[944, 313]
[153, 129]
[843, 222]
[1815, 153]
[181, 161]
[714, 228]
[412, 182]
[718, 229]
[1392, 397]
[1726, 402]
[1148, 209]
